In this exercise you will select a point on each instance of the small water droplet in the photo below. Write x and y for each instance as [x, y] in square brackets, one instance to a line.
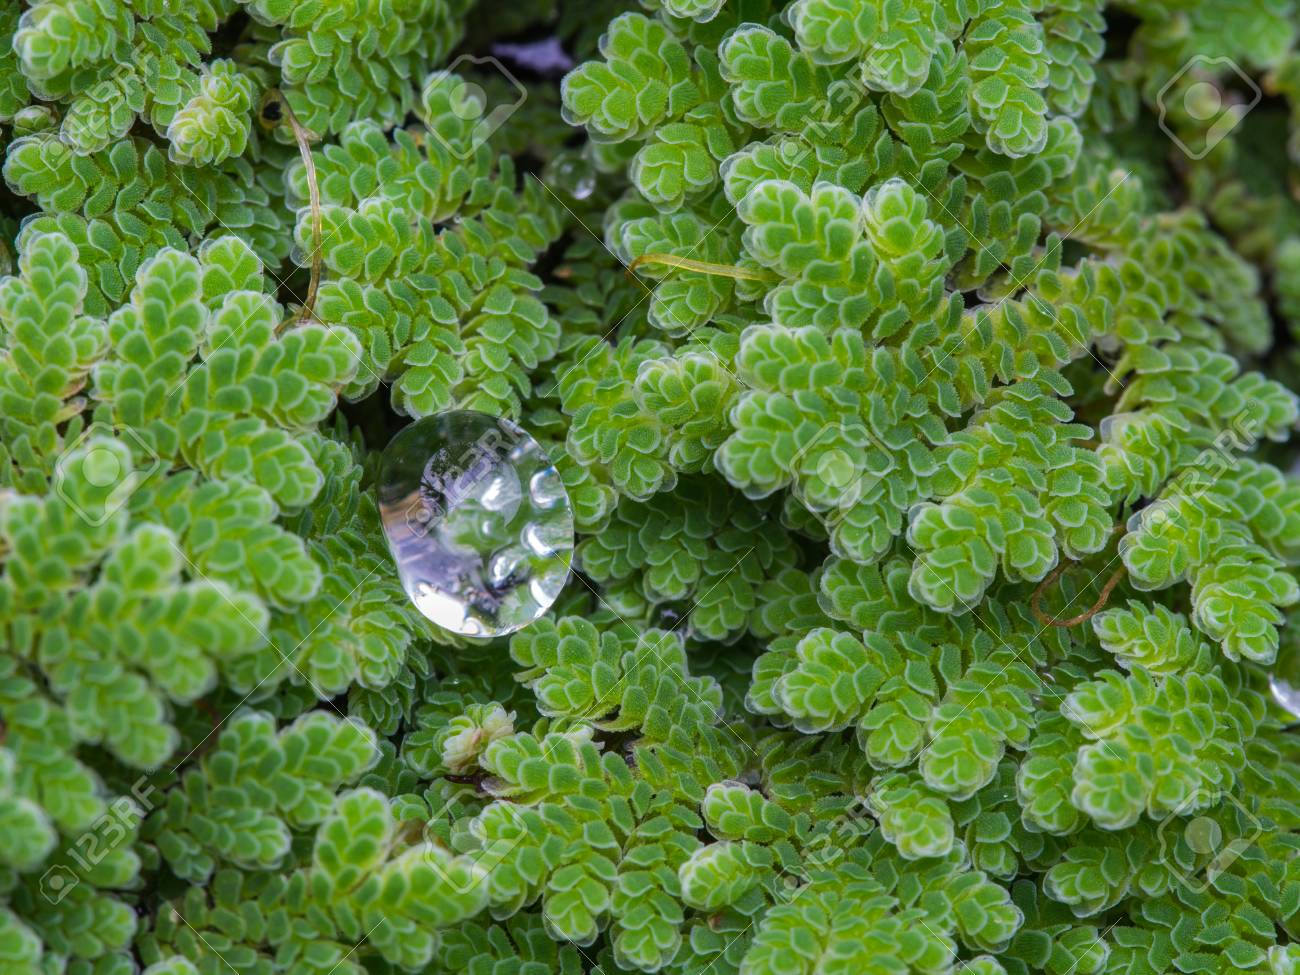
[477, 554]
[668, 615]
[1285, 693]
[572, 174]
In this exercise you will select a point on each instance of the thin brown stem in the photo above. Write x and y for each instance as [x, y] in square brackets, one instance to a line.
[1087, 614]
[210, 711]
[409, 831]
[474, 780]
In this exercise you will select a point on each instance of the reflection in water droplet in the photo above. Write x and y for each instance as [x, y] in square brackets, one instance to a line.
[503, 566]
[547, 489]
[546, 588]
[1286, 694]
[502, 492]
[541, 539]
[584, 186]
[476, 553]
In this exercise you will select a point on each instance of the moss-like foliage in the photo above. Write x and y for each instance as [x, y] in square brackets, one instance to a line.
[922, 376]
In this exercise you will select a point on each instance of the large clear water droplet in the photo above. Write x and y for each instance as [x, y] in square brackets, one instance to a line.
[478, 522]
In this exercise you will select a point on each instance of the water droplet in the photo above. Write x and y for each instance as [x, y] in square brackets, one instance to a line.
[1285, 693]
[668, 615]
[572, 174]
[476, 552]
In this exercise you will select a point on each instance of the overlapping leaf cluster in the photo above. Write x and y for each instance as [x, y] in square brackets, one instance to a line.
[920, 374]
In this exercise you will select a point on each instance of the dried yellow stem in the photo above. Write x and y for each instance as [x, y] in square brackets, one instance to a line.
[275, 108]
[700, 267]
